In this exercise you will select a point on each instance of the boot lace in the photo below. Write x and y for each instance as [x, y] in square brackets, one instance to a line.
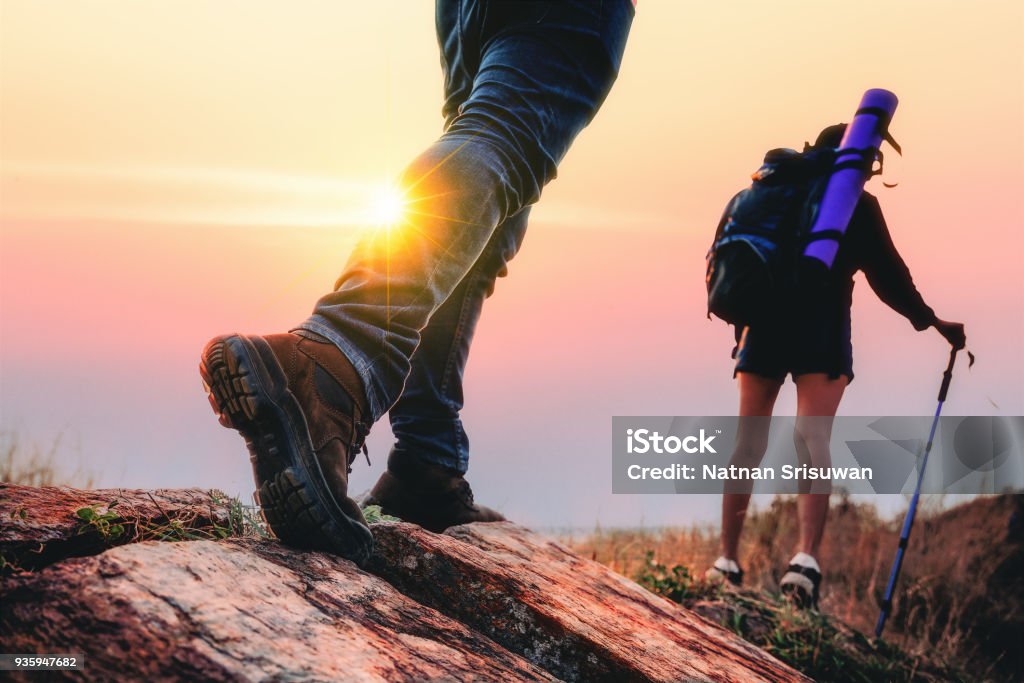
[360, 430]
[464, 493]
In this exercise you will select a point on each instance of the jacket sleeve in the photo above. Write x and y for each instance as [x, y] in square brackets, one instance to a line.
[886, 271]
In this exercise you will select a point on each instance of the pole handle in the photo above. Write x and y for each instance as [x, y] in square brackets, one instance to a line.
[947, 376]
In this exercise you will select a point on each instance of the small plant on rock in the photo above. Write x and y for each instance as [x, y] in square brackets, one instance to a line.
[103, 521]
[674, 583]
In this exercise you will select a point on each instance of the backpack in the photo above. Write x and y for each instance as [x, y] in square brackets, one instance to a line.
[753, 261]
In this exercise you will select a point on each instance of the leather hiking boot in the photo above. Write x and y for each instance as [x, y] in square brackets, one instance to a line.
[300, 406]
[424, 493]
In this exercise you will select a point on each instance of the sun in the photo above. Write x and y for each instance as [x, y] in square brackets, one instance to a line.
[387, 206]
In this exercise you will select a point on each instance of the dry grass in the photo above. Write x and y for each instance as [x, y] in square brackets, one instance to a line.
[223, 517]
[32, 464]
[961, 595]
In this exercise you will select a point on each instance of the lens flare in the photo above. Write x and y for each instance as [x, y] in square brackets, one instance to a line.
[387, 207]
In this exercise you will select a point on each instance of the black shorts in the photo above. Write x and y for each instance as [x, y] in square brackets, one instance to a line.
[798, 342]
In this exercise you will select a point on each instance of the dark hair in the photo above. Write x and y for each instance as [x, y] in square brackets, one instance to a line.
[831, 136]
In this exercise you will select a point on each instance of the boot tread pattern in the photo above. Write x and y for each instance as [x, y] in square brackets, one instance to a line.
[287, 498]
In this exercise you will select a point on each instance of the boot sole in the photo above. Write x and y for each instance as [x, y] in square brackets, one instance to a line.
[248, 391]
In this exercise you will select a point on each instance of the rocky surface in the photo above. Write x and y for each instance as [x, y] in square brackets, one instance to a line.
[39, 526]
[571, 616]
[489, 602]
[249, 610]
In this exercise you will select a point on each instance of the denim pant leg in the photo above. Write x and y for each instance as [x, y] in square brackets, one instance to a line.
[425, 420]
[540, 71]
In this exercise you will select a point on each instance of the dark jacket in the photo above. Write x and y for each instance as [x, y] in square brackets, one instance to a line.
[867, 246]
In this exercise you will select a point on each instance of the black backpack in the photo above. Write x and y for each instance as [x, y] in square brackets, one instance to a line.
[753, 260]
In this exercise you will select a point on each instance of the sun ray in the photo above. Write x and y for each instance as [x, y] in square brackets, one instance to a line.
[429, 172]
[486, 127]
[429, 197]
[424, 214]
[412, 226]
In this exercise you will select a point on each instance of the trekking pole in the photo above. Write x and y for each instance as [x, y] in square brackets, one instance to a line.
[908, 521]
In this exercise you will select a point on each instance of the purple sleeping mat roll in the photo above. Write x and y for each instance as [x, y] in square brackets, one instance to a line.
[852, 169]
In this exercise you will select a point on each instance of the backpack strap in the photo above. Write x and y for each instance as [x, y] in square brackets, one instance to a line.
[830, 234]
[756, 230]
[863, 160]
[883, 116]
[892, 142]
[868, 155]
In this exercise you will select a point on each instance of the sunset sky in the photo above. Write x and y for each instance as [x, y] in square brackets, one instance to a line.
[170, 171]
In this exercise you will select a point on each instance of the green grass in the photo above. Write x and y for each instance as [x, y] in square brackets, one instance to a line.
[372, 514]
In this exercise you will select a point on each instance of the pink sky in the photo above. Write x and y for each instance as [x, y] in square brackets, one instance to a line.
[171, 171]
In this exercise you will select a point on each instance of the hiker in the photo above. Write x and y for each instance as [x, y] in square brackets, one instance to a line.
[521, 80]
[807, 335]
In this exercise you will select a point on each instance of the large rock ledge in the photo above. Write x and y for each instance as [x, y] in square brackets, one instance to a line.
[39, 526]
[571, 616]
[479, 603]
[202, 610]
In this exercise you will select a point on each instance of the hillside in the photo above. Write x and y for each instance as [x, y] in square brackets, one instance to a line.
[958, 614]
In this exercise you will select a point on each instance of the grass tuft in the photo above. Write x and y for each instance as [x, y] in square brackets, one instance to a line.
[119, 526]
[373, 514]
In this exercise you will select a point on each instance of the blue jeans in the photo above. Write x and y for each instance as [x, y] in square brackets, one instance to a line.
[522, 79]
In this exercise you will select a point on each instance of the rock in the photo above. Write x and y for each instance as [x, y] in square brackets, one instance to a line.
[486, 602]
[240, 610]
[570, 616]
[39, 526]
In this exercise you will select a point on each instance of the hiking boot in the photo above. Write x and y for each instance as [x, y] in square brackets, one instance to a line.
[725, 570]
[802, 581]
[301, 407]
[424, 493]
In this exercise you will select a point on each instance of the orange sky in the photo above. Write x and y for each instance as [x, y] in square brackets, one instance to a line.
[173, 170]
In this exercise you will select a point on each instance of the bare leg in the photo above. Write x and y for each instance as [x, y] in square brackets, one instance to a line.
[817, 400]
[757, 398]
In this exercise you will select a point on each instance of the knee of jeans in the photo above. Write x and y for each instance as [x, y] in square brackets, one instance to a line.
[514, 150]
[463, 178]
